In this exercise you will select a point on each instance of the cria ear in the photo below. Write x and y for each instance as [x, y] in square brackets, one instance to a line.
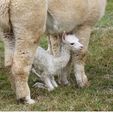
[63, 37]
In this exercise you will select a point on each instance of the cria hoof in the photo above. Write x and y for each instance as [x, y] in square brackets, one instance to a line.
[30, 101]
[64, 82]
[40, 85]
[43, 86]
[51, 89]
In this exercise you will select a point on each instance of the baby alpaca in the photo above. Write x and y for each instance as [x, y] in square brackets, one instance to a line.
[48, 65]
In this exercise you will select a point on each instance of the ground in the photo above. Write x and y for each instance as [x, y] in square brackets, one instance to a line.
[99, 68]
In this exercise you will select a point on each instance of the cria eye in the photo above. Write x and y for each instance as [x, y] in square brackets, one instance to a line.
[72, 43]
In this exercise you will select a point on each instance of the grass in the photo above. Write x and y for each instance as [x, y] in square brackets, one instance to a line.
[99, 69]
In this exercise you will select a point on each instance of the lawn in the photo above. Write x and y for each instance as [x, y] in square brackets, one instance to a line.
[99, 69]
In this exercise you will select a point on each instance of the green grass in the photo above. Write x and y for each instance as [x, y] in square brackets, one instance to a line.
[99, 69]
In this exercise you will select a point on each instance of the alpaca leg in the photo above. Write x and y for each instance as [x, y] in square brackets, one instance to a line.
[9, 43]
[7, 38]
[5, 32]
[83, 33]
[22, 62]
[27, 30]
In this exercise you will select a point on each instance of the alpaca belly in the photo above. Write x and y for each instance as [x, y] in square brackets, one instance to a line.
[58, 26]
[64, 15]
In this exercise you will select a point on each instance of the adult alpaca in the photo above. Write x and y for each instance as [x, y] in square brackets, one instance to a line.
[23, 21]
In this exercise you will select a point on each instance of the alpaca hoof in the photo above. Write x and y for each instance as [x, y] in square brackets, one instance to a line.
[24, 101]
[21, 101]
[8, 63]
[83, 83]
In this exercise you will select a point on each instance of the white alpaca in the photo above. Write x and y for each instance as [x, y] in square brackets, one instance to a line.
[49, 65]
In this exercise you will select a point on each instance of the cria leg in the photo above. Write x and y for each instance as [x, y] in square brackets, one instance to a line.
[28, 25]
[63, 76]
[47, 80]
[55, 44]
[83, 33]
[53, 81]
